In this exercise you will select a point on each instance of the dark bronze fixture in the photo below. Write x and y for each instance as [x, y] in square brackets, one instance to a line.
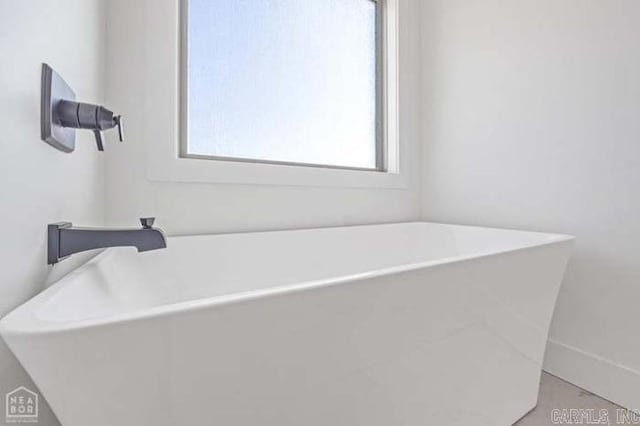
[65, 240]
[61, 115]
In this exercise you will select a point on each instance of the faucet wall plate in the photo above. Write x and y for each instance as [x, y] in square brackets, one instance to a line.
[54, 90]
[53, 245]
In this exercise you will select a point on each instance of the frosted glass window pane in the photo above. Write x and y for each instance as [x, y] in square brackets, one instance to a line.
[283, 80]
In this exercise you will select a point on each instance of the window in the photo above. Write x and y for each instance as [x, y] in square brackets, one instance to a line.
[284, 81]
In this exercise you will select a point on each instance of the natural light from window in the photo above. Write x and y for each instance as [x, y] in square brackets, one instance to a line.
[291, 81]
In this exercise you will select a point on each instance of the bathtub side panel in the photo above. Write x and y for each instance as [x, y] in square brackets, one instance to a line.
[455, 344]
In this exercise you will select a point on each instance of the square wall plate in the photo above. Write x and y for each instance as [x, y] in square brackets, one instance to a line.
[55, 89]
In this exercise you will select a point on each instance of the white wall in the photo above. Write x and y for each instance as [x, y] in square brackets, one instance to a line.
[183, 208]
[532, 120]
[39, 185]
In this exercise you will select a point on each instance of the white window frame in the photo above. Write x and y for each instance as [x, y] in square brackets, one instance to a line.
[168, 164]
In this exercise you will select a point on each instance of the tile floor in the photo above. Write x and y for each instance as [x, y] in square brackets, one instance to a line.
[558, 394]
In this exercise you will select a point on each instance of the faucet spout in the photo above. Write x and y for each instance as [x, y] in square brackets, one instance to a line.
[65, 240]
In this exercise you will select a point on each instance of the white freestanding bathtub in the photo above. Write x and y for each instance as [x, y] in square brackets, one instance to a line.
[386, 325]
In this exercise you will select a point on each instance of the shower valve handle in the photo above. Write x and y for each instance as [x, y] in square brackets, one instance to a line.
[118, 122]
[78, 115]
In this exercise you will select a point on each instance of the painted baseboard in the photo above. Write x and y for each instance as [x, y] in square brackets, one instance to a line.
[611, 381]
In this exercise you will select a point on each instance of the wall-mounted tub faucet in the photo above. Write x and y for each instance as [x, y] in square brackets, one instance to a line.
[61, 115]
[65, 240]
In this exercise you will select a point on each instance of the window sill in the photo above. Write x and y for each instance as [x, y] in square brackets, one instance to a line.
[174, 169]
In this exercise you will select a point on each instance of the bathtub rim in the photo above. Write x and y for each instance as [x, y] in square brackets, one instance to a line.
[24, 321]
